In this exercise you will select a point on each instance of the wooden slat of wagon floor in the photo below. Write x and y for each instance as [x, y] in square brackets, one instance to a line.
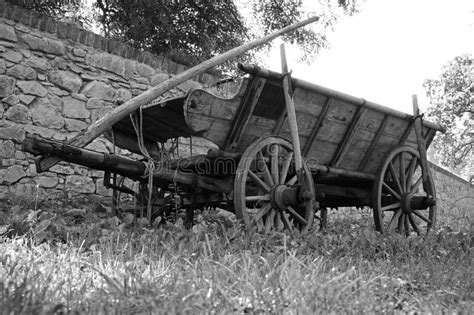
[373, 144]
[351, 132]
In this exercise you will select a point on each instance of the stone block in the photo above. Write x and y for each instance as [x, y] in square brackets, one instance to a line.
[94, 103]
[62, 169]
[46, 45]
[7, 149]
[74, 108]
[7, 86]
[12, 56]
[66, 80]
[98, 89]
[13, 174]
[46, 115]
[11, 132]
[3, 67]
[38, 63]
[145, 70]
[46, 181]
[18, 113]
[22, 72]
[7, 32]
[75, 125]
[32, 88]
[80, 184]
[11, 100]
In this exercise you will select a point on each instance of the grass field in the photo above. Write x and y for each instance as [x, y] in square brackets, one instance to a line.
[75, 258]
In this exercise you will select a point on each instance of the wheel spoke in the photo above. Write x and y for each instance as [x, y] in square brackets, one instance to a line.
[263, 210]
[394, 219]
[390, 189]
[392, 207]
[416, 185]
[401, 220]
[413, 224]
[407, 227]
[278, 221]
[297, 215]
[270, 221]
[275, 151]
[286, 222]
[422, 216]
[402, 172]
[411, 171]
[286, 167]
[292, 181]
[395, 177]
[257, 198]
[266, 172]
[259, 181]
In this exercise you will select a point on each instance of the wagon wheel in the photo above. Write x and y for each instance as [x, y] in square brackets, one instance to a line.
[267, 193]
[399, 200]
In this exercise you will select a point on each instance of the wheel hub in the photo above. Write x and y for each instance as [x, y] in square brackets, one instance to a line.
[282, 196]
[410, 203]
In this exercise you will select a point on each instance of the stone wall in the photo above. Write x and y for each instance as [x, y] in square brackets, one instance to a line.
[55, 80]
[453, 192]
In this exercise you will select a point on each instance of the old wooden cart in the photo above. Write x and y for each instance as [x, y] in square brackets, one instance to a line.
[355, 153]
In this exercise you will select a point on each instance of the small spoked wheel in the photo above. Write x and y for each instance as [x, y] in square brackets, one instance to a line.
[268, 194]
[400, 202]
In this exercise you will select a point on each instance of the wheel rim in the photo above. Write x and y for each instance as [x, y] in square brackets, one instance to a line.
[264, 175]
[400, 203]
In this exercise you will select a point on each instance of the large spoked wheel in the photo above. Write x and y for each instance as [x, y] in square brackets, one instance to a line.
[267, 193]
[400, 203]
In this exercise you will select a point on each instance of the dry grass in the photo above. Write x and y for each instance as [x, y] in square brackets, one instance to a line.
[96, 264]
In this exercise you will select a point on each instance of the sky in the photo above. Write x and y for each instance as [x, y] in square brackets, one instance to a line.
[386, 51]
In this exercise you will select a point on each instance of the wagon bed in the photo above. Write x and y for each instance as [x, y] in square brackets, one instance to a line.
[348, 134]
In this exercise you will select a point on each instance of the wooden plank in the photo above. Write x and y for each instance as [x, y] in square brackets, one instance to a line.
[317, 126]
[425, 170]
[430, 137]
[245, 110]
[272, 75]
[350, 133]
[290, 108]
[119, 112]
[373, 144]
[407, 132]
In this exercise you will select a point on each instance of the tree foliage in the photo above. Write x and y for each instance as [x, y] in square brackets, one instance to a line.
[200, 29]
[71, 11]
[451, 104]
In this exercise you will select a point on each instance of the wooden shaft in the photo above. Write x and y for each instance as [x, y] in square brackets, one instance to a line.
[290, 109]
[128, 107]
[425, 171]
[121, 165]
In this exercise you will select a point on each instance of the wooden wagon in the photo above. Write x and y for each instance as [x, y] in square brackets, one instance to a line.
[286, 151]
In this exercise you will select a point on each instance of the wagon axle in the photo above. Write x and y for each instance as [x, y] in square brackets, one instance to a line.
[282, 196]
[410, 203]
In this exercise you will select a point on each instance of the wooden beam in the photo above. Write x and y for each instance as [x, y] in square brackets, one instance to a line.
[315, 168]
[290, 109]
[119, 112]
[430, 135]
[373, 143]
[425, 170]
[407, 132]
[244, 112]
[317, 126]
[349, 136]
